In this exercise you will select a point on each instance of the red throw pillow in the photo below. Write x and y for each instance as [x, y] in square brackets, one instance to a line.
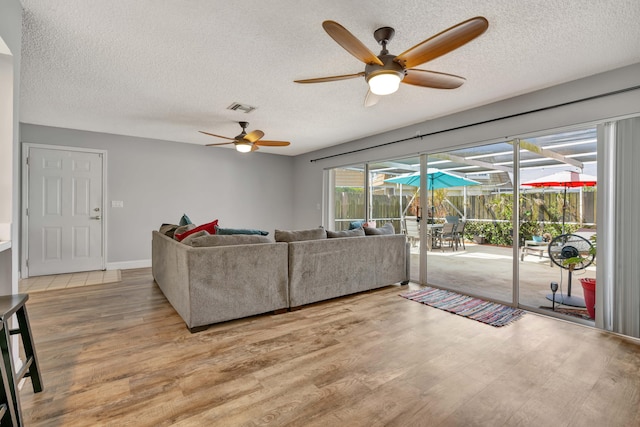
[209, 227]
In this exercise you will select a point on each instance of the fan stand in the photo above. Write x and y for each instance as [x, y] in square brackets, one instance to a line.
[567, 299]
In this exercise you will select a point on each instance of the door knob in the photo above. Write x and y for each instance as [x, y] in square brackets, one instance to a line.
[95, 217]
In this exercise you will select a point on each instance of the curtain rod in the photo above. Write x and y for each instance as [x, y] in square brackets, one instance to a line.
[537, 110]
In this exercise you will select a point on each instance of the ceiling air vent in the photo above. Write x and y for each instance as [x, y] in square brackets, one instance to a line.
[236, 106]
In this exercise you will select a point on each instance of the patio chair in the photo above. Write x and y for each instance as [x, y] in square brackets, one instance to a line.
[536, 248]
[460, 234]
[412, 229]
[448, 234]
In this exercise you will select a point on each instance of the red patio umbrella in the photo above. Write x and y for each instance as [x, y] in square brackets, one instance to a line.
[566, 179]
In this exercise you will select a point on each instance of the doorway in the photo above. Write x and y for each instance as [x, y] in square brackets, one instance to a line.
[63, 210]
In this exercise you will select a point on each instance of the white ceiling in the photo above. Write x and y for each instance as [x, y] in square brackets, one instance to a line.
[166, 69]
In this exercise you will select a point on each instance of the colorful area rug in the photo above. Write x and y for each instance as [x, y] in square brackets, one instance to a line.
[491, 313]
[580, 313]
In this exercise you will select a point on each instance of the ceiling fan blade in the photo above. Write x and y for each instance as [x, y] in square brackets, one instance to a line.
[370, 99]
[443, 42]
[253, 136]
[331, 79]
[222, 143]
[217, 136]
[350, 43]
[272, 143]
[432, 79]
[254, 147]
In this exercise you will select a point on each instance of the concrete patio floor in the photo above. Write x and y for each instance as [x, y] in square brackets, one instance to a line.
[487, 271]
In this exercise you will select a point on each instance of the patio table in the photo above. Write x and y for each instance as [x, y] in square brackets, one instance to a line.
[432, 236]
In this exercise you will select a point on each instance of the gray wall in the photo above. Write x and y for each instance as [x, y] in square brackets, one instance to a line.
[308, 175]
[158, 181]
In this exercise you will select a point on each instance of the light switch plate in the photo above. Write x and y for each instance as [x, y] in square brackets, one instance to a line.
[117, 204]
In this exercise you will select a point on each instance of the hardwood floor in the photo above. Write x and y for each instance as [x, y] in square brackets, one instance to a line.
[118, 354]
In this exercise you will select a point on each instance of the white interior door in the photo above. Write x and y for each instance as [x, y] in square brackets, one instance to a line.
[64, 212]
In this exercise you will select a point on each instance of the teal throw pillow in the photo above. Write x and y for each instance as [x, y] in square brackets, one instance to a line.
[185, 220]
[356, 224]
[231, 231]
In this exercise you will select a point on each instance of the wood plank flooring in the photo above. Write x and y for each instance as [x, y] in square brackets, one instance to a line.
[118, 354]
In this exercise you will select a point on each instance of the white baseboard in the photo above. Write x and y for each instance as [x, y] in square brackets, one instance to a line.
[128, 265]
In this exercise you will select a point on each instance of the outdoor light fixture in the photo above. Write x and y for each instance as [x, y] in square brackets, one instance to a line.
[243, 147]
[554, 289]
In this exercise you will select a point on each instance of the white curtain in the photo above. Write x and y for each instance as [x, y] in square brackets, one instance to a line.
[618, 273]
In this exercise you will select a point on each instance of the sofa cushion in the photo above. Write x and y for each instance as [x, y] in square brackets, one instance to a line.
[209, 227]
[385, 229]
[356, 232]
[228, 231]
[168, 229]
[300, 235]
[185, 220]
[189, 239]
[228, 240]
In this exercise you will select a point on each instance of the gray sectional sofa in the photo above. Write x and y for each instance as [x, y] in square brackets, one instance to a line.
[214, 284]
[241, 276]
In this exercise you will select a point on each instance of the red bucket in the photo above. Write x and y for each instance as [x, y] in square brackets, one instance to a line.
[589, 287]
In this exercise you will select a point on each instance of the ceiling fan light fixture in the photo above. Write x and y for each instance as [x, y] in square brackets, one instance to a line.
[244, 147]
[384, 82]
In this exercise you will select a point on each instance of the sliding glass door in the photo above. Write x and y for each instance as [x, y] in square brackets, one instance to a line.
[557, 221]
[480, 219]
[470, 199]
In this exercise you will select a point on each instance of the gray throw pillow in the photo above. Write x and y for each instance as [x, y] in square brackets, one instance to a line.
[356, 232]
[300, 235]
[385, 229]
[189, 239]
[236, 239]
[182, 229]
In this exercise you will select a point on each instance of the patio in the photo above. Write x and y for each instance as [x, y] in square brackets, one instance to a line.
[486, 271]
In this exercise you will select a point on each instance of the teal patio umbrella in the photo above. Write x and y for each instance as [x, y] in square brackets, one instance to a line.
[436, 179]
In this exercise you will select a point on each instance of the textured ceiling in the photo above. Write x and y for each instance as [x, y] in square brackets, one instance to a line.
[166, 69]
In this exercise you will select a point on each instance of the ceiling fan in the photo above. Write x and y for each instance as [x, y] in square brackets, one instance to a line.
[246, 142]
[385, 72]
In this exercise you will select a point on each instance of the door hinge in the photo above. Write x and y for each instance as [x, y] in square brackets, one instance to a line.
[26, 212]
[27, 161]
[26, 263]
